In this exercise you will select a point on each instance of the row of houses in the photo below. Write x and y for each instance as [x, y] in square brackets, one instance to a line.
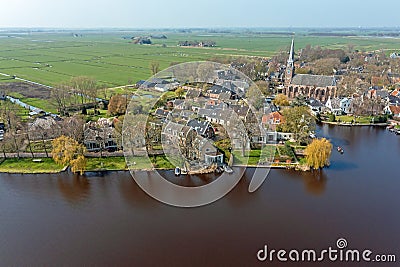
[384, 103]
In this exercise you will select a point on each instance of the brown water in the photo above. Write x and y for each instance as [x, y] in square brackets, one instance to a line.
[107, 220]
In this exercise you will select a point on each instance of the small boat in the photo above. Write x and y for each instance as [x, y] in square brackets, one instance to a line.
[177, 171]
[340, 150]
[219, 170]
[184, 171]
[227, 169]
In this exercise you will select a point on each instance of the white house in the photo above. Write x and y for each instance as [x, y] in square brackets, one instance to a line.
[345, 104]
[393, 110]
[333, 104]
[339, 106]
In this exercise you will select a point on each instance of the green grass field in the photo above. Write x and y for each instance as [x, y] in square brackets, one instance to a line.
[27, 165]
[51, 58]
[359, 119]
[255, 156]
[107, 163]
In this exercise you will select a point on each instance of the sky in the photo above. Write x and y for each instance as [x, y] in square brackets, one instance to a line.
[195, 13]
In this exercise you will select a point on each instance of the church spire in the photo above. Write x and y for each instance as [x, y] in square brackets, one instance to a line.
[290, 65]
[291, 53]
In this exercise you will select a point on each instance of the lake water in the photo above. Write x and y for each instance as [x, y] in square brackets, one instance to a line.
[108, 220]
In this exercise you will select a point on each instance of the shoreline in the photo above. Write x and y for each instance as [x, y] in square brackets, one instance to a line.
[384, 124]
[294, 166]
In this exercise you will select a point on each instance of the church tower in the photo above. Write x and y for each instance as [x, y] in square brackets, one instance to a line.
[290, 65]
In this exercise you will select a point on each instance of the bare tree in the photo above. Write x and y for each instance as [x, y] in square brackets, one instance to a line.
[154, 67]
[60, 94]
[82, 86]
[73, 127]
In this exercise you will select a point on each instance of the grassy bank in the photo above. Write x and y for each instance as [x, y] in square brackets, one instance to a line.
[28, 165]
[106, 163]
[254, 156]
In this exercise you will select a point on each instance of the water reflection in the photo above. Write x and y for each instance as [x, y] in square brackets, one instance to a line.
[134, 196]
[315, 182]
[122, 225]
[342, 165]
[74, 189]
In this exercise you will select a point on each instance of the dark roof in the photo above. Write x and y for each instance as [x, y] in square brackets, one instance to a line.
[177, 102]
[217, 113]
[217, 89]
[161, 112]
[315, 103]
[240, 110]
[228, 85]
[219, 105]
[158, 81]
[394, 99]
[269, 107]
[313, 80]
[200, 126]
[172, 128]
[193, 93]
[203, 112]
[225, 95]
[186, 114]
[382, 93]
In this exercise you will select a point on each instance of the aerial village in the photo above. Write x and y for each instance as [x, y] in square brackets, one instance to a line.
[225, 121]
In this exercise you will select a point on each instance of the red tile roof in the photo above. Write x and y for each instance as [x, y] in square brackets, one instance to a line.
[275, 117]
[395, 110]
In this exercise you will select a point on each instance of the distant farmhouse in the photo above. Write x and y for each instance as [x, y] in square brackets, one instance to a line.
[141, 40]
[320, 87]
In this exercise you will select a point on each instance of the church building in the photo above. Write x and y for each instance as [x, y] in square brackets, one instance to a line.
[320, 87]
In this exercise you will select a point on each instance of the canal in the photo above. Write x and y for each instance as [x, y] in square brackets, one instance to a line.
[107, 220]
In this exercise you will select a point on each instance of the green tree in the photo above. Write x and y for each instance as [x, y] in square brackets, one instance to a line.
[318, 153]
[332, 117]
[179, 92]
[299, 121]
[281, 100]
[67, 151]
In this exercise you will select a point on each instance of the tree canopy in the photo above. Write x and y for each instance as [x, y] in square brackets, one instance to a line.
[281, 100]
[67, 151]
[299, 121]
[117, 105]
[318, 153]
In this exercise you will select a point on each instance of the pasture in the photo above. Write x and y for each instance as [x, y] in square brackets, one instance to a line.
[50, 58]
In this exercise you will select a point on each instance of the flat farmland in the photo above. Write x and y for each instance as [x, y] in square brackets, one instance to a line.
[50, 58]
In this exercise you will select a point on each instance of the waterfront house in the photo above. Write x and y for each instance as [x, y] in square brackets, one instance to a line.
[182, 139]
[98, 136]
[333, 105]
[393, 110]
[208, 153]
[203, 128]
[345, 104]
[44, 127]
[315, 105]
